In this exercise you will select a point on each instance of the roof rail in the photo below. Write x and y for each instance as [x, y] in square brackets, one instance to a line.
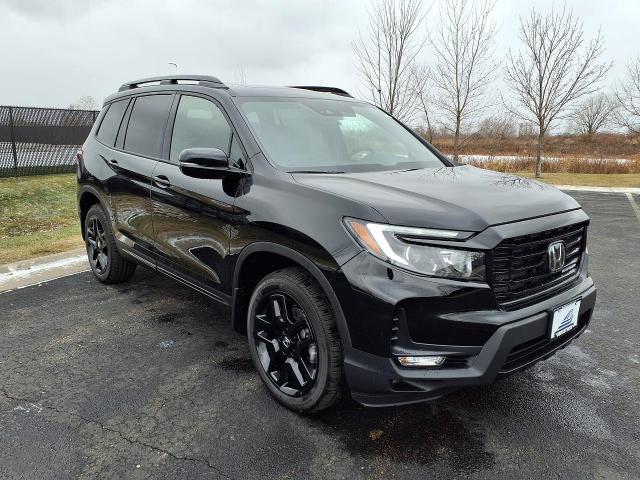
[334, 90]
[203, 80]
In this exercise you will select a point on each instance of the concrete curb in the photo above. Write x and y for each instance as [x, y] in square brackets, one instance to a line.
[41, 269]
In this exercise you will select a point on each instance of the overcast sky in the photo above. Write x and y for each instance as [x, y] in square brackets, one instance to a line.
[54, 51]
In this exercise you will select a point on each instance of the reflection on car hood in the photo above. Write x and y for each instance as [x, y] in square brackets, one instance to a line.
[461, 198]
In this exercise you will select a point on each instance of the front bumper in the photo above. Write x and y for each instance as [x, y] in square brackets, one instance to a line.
[391, 312]
[515, 345]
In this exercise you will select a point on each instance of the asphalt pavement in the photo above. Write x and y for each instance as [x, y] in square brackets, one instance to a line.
[147, 380]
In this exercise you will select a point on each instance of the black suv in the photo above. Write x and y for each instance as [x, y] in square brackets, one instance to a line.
[352, 252]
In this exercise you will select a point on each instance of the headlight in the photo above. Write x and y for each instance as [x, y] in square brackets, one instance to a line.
[403, 246]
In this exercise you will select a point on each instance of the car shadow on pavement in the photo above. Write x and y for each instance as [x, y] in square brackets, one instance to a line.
[420, 434]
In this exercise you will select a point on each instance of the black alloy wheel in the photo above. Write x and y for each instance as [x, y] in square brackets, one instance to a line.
[294, 341]
[97, 246]
[286, 344]
[107, 263]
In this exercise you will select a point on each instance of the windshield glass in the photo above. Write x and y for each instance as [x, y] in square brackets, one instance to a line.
[317, 135]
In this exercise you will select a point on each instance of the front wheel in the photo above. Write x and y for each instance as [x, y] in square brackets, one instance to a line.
[294, 341]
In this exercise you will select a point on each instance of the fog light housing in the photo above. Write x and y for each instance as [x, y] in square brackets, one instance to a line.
[425, 361]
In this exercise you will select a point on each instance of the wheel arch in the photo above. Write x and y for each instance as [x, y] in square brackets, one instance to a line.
[87, 197]
[277, 256]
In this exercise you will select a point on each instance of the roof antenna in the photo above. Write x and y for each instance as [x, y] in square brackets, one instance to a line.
[175, 65]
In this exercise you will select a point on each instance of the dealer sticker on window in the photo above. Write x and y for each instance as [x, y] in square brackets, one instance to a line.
[565, 319]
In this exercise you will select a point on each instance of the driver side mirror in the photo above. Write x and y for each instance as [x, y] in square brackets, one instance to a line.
[206, 163]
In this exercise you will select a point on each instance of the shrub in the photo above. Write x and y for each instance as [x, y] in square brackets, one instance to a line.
[557, 165]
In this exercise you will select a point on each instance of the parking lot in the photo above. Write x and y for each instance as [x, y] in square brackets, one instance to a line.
[147, 380]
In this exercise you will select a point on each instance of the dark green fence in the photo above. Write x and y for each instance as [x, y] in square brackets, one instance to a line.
[35, 141]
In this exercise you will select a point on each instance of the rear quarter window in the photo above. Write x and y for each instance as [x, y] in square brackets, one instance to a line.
[111, 122]
[147, 123]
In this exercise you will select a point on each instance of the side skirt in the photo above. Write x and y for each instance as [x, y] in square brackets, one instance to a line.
[138, 258]
[220, 297]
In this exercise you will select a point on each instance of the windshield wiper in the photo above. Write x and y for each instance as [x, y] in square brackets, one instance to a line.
[315, 171]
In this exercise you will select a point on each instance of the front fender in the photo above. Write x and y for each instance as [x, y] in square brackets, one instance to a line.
[321, 276]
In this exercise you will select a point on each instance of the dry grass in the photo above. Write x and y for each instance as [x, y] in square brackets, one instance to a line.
[588, 179]
[601, 153]
[561, 165]
[599, 145]
[38, 216]
[63, 239]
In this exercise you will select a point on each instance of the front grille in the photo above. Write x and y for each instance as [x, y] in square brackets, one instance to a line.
[520, 273]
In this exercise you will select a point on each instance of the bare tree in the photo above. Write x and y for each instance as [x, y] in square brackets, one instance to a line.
[496, 131]
[593, 113]
[498, 126]
[627, 96]
[387, 53]
[421, 86]
[86, 102]
[463, 46]
[526, 129]
[554, 68]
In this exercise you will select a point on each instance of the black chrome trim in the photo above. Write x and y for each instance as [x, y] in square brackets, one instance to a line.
[137, 257]
[194, 286]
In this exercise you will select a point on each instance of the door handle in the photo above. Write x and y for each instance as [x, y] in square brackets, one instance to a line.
[113, 162]
[161, 181]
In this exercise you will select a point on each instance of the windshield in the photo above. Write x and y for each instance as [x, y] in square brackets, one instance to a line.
[318, 135]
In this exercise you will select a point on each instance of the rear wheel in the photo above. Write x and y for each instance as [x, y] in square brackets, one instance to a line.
[294, 341]
[104, 258]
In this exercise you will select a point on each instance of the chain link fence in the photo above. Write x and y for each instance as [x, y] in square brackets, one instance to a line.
[36, 141]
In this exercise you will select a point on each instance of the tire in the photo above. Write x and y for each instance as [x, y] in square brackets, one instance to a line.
[107, 264]
[309, 321]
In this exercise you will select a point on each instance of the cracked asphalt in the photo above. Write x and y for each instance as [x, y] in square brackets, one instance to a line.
[147, 380]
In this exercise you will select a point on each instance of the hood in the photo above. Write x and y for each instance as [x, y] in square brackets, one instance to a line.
[459, 198]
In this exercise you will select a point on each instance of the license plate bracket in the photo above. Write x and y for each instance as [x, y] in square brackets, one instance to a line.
[565, 318]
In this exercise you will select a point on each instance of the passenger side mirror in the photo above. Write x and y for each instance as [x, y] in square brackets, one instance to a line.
[206, 163]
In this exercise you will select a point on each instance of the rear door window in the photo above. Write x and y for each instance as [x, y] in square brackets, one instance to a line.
[199, 124]
[111, 122]
[147, 124]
